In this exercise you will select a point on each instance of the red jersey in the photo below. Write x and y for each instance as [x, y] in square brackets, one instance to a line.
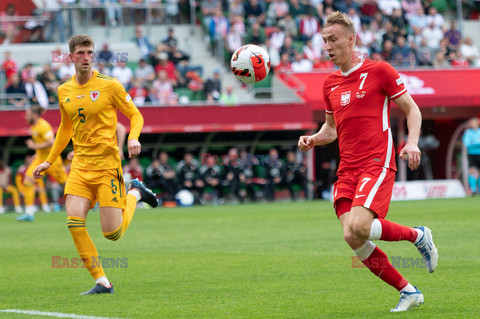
[360, 103]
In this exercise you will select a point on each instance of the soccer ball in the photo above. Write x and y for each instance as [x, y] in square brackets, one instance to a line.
[250, 63]
[185, 198]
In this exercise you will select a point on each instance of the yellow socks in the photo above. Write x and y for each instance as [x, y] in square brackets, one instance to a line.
[127, 215]
[85, 247]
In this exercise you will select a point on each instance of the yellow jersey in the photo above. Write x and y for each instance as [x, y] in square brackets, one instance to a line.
[41, 132]
[89, 117]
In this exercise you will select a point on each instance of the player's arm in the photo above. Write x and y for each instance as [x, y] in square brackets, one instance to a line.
[124, 103]
[64, 134]
[326, 135]
[38, 146]
[414, 124]
[121, 136]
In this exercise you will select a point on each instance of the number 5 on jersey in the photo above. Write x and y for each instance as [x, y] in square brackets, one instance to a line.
[81, 116]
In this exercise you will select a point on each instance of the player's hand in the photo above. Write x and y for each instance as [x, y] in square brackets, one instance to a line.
[412, 153]
[306, 143]
[37, 172]
[70, 155]
[30, 144]
[134, 148]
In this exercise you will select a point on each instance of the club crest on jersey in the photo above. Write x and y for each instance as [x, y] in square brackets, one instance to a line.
[94, 95]
[345, 98]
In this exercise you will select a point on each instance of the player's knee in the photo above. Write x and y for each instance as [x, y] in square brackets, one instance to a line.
[359, 229]
[349, 237]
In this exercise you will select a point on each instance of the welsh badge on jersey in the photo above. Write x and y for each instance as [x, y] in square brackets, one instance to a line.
[94, 95]
[345, 99]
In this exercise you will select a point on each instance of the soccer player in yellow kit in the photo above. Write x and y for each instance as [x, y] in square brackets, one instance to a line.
[88, 103]
[41, 141]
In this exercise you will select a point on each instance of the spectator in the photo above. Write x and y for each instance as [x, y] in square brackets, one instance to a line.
[236, 8]
[35, 25]
[425, 54]
[445, 48]
[218, 30]
[297, 9]
[208, 8]
[433, 35]
[145, 73]
[324, 63]
[288, 48]
[228, 98]
[403, 55]
[300, 64]
[277, 10]
[154, 175]
[189, 177]
[456, 59]
[389, 32]
[453, 35]
[210, 174]
[362, 50]
[66, 71]
[179, 58]
[133, 170]
[309, 24]
[56, 20]
[272, 53]
[162, 89]
[50, 81]
[16, 87]
[277, 38]
[234, 40]
[295, 174]
[138, 93]
[255, 12]
[398, 22]
[440, 60]
[166, 65]
[470, 52]
[9, 28]
[248, 175]
[114, 13]
[105, 55]
[256, 34]
[411, 8]
[194, 81]
[387, 6]
[310, 53]
[170, 40]
[169, 185]
[367, 37]
[285, 64]
[36, 92]
[471, 141]
[124, 74]
[416, 36]
[387, 52]
[146, 48]
[213, 86]
[66, 4]
[103, 69]
[27, 72]
[231, 173]
[353, 15]
[275, 174]
[172, 11]
[289, 25]
[6, 185]
[435, 17]
[419, 20]
[9, 66]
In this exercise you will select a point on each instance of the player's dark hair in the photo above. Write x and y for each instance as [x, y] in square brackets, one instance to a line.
[338, 17]
[79, 40]
[37, 109]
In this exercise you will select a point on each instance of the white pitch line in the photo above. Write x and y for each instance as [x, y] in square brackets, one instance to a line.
[53, 314]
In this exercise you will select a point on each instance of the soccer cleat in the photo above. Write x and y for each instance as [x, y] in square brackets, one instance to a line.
[46, 208]
[146, 195]
[427, 249]
[408, 300]
[18, 210]
[25, 218]
[99, 289]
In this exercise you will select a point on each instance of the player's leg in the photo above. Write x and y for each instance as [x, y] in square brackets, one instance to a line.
[2, 209]
[42, 195]
[15, 197]
[58, 173]
[29, 191]
[116, 207]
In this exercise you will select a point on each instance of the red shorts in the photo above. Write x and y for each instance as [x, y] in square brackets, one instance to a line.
[371, 188]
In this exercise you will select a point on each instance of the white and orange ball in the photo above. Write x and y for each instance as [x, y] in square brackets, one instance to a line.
[250, 63]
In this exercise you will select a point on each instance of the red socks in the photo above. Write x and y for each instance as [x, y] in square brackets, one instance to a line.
[396, 232]
[379, 264]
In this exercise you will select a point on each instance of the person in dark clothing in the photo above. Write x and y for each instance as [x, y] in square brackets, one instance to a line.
[189, 176]
[295, 174]
[275, 174]
[211, 175]
[231, 173]
[248, 174]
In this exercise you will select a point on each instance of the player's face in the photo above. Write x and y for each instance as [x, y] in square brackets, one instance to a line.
[82, 57]
[29, 117]
[338, 44]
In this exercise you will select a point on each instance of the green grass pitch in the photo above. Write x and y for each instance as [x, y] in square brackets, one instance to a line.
[280, 260]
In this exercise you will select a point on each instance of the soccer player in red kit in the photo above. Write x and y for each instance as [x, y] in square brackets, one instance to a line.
[357, 101]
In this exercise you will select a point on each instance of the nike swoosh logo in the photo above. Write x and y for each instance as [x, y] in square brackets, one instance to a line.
[335, 87]
[358, 196]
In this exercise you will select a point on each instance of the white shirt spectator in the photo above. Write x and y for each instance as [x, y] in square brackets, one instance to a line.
[302, 65]
[317, 42]
[387, 6]
[66, 71]
[277, 39]
[435, 17]
[470, 52]
[433, 36]
[123, 73]
[144, 72]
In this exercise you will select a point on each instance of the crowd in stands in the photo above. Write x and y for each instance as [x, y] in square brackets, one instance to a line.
[405, 33]
[236, 177]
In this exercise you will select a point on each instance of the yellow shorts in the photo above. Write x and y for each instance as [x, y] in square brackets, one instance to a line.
[56, 170]
[106, 186]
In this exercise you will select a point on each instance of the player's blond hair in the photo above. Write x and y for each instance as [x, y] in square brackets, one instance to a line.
[37, 109]
[79, 40]
[341, 18]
